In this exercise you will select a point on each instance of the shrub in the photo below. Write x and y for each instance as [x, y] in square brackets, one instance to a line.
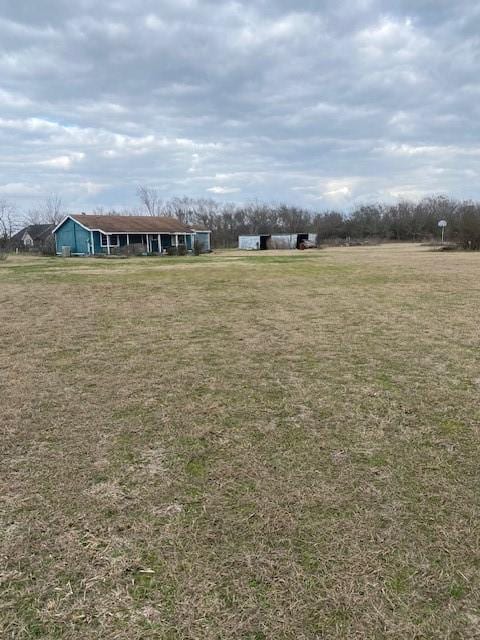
[48, 247]
[181, 250]
[470, 228]
[197, 247]
[3, 255]
[133, 249]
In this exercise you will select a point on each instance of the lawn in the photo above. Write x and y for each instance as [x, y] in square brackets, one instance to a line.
[272, 446]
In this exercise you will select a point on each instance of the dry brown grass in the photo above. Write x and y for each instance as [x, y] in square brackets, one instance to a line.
[273, 446]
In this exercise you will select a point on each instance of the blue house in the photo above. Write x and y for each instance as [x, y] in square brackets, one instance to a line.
[92, 235]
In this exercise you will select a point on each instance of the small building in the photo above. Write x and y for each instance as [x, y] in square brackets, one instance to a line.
[103, 234]
[33, 236]
[276, 241]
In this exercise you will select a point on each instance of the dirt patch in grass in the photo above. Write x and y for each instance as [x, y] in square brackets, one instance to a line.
[241, 446]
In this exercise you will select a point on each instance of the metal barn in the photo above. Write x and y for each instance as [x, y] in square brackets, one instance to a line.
[262, 242]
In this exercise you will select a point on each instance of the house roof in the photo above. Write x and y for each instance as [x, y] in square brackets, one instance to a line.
[131, 224]
[199, 227]
[37, 232]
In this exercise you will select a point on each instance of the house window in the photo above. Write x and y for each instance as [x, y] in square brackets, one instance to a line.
[114, 242]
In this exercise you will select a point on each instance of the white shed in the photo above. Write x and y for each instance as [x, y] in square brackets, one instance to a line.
[275, 241]
[250, 242]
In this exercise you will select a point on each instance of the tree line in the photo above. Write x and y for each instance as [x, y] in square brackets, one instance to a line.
[402, 221]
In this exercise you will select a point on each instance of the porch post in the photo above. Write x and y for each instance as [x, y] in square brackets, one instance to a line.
[128, 239]
[92, 246]
[159, 243]
[108, 243]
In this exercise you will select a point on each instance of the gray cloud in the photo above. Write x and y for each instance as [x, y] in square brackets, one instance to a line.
[319, 103]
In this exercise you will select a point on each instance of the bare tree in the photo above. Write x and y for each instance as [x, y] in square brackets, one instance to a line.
[33, 216]
[7, 223]
[150, 199]
[53, 208]
[51, 211]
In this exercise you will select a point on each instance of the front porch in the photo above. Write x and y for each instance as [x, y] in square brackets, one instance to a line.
[149, 243]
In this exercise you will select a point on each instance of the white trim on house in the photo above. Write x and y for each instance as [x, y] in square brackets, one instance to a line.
[148, 233]
[132, 233]
[123, 233]
[108, 243]
[74, 220]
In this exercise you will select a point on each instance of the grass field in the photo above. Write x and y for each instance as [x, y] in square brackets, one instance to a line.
[269, 446]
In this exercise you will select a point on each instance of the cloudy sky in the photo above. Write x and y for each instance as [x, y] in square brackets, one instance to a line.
[325, 103]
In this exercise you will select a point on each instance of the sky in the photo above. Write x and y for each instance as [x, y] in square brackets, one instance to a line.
[323, 104]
